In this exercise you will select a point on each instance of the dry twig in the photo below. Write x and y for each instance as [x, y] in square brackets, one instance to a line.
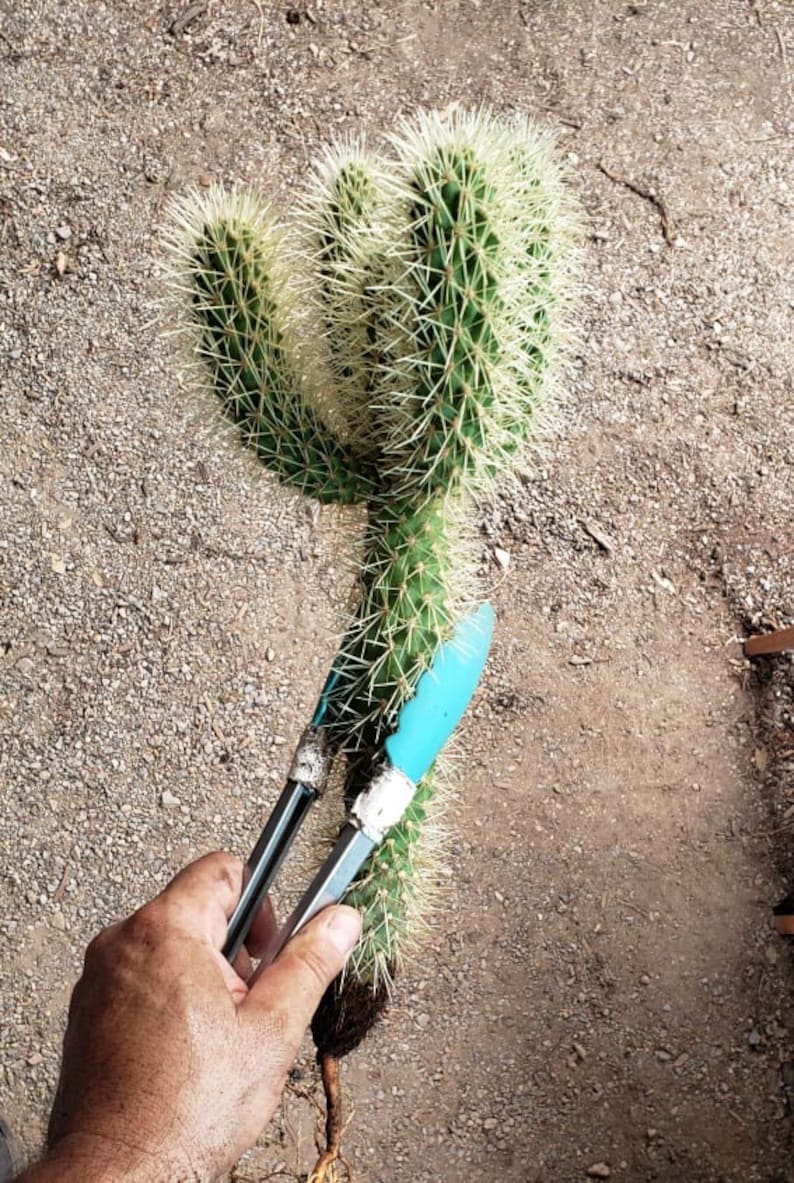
[647, 195]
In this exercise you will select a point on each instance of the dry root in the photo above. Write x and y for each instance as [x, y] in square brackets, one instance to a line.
[326, 1167]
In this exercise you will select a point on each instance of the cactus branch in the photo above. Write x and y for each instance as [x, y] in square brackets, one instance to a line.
[229, 266]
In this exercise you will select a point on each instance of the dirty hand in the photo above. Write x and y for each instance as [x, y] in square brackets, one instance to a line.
[172, 1064]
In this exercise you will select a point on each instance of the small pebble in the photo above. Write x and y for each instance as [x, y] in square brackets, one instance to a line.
[63, 232]
[168, 800]
[599, 1170]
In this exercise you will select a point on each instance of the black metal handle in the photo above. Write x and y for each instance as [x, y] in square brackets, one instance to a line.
[267, 856]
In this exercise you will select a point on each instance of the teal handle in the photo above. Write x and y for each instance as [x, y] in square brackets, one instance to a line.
[426, 721]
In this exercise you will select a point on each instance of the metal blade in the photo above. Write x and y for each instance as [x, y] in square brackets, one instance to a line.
[350, 852]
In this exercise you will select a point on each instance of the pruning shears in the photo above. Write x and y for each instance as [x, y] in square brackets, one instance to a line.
[424, 724]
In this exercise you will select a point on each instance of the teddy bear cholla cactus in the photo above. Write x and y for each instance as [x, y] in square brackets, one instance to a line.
[394, 350]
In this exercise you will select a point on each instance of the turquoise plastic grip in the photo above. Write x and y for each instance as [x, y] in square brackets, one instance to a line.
[443, 692]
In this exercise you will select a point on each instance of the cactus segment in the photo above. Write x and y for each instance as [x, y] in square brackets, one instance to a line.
[232, 271]
[458, 387]
[407, 610]
[338, 220]
[395, 888]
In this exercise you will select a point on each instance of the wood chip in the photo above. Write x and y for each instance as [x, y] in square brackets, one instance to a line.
[600, 536]
[770, 643]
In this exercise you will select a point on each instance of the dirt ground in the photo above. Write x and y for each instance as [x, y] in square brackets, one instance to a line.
[603, 987]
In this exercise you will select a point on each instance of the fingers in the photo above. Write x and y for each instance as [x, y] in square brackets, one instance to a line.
[205, 895]
[262, 930]
[290, 989]
[259, 938]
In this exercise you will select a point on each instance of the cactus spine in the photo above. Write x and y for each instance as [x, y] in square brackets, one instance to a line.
[438, 279]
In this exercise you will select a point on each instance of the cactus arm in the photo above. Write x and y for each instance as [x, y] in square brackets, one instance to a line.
[237, 308]
[474, 306]
[547, 265]
[338, 218]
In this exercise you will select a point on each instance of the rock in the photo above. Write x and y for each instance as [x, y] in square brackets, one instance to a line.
[57, 921]
[754, 1038]
[63, 232]
[599, 1170]
[168, 800]
[270, 654]
[502, 557]
[490, 1123]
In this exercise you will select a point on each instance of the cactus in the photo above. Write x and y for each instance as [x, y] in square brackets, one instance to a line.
[427, 293]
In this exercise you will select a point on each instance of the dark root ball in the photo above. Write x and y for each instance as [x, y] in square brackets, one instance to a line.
[347, 1012]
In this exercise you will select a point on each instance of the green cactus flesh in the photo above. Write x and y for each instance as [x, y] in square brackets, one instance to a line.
[447, 304]
[405, 614]
[391, 891]
[253, 374]
[339, 215]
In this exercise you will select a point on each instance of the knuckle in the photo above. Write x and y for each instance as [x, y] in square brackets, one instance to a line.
[228, 869]
[98, 948]
[148, 925]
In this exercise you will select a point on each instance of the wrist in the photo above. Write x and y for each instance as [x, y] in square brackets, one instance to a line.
[87, 1158]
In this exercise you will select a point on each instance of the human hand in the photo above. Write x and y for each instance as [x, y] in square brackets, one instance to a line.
[172, 1063]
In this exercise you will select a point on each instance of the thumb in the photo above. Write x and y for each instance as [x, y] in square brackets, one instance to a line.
[291, 988]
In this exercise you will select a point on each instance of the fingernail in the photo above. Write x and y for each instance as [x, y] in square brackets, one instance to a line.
[344, 929]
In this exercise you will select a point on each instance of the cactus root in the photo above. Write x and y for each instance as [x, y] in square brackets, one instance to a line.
[325, 1168]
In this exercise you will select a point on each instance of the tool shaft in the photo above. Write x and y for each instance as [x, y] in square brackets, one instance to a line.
[350, 851]
[267, 856]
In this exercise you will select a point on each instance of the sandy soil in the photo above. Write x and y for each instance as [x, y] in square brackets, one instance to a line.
[603, 988]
